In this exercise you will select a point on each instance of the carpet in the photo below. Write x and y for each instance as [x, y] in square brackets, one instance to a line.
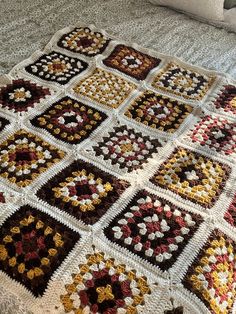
[117, 171]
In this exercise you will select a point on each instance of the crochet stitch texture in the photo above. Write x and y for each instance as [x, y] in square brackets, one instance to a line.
[117, 180]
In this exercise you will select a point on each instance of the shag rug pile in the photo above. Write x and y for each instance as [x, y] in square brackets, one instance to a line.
[117, 180]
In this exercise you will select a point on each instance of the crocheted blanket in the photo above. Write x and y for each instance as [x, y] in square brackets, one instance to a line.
[117, 171]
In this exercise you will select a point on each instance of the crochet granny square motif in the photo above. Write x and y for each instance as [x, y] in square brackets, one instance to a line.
[158, 112]
[20, 95]
[193, 176]
[56, 67]
[69, 120]
[83, 191]
[131, 62]
[32, 247]
[226, 101]
[215, 133]
[84, 41]
[103, 285]
[212, 276]
[24, 156]
[105, 88]
[153, 228]
[126, 148]
[189, 84]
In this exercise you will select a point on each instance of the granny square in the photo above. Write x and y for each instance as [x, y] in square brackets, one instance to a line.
[126, 148]
[216, 133]
[69, 120]
[131, 62]
[56, 67]
[83, 190]
[226, 101]
[24, 156]
[85, 41]
[20, 95]
[32, 247]
[181, 81]
[193, 176]
[105, 88]
[212, 276]
[154, 229]
[103, 285]
[158, 112]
